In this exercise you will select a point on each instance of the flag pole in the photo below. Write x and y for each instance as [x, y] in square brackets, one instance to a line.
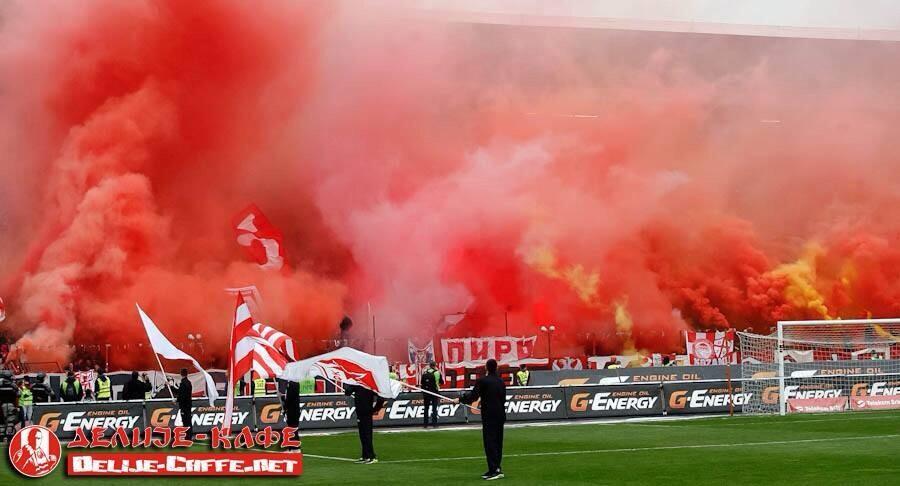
[374, 338]
[165, 378]
[410, 386]
[229, 379]
[434, 394]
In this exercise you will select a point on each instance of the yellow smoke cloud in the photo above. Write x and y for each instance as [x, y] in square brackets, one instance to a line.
[881, 331]
[584, 283]
[801, 277]
[624, 328]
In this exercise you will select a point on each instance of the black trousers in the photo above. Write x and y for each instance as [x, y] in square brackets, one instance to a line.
[364, 423]
[186, 420]
[293, 419]
[492, 435]
[431, 403]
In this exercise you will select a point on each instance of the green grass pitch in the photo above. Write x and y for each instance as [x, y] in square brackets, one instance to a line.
[849, 448]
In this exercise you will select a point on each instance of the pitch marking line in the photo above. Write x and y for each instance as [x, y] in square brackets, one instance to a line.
[715, 421]
[548, 423]
[630, 449]
[333, 458]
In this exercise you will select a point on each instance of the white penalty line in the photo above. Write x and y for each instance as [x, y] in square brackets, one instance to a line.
[629, 449]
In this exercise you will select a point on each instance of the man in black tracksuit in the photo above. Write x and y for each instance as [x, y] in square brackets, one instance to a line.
[291, 404]
[367, 403]
[185, 391]
[491, 390]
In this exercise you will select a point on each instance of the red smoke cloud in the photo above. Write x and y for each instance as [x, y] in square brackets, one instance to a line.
[564, 176]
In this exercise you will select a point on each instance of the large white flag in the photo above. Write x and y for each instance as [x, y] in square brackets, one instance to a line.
[166, 349]
[347, 365]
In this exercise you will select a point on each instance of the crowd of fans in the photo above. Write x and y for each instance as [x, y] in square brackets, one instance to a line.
[7, 362]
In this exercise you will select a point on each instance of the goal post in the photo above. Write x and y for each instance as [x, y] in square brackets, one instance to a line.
[824, 365]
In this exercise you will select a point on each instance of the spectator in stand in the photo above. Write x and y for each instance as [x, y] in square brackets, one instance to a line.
[148, 386]
[134, 389]
[70, 389]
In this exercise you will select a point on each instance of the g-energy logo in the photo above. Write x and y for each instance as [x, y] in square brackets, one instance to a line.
[771, 395]
[601, 401]
[103, 419]
[704, 398]
[531, 404]
[163, 417]
[407, 409]
[877, 389]
[326, 413]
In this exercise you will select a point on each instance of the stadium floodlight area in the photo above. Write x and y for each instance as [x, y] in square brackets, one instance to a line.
[822, 366]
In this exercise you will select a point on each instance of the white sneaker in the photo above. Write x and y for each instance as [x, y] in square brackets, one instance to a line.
[371, 461]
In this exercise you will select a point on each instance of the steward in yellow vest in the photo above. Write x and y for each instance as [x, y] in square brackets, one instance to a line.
[102, 387]
[522, 376]
[307, 386]
[259, 387]
[26, 401]
[25, 396]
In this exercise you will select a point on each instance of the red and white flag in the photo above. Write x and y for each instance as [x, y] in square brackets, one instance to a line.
[257, 347]
[347, 365]
[164, 348]
[254, 347]
[2, 310]
[260, 237]
[710, 347]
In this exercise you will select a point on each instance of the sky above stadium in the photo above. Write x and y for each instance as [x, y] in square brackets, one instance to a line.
[625, 184]
[842, 19]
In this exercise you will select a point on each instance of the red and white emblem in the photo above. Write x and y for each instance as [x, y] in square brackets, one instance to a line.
[703, 349]
[344, 370]
[35, 451]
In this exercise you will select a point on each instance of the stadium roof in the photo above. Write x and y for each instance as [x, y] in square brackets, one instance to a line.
[822, 19]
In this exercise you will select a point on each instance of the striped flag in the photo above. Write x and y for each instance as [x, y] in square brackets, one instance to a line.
[278, 340]
[254, 347]
[258, 347]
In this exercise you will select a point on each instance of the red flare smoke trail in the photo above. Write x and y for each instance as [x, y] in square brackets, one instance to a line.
[554, 175]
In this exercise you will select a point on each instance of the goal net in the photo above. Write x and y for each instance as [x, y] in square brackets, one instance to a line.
[822, 366]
